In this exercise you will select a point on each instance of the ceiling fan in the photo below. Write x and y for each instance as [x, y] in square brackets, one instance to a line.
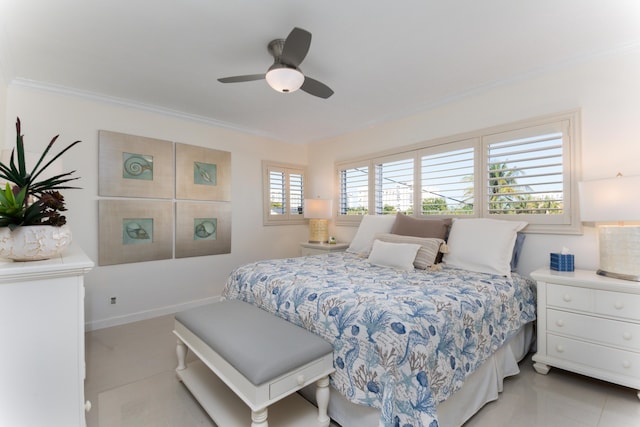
[284, 75]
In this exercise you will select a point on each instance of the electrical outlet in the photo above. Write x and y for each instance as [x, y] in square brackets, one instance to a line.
[112, 300]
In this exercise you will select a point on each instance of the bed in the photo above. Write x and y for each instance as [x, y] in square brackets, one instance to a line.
[405, 339]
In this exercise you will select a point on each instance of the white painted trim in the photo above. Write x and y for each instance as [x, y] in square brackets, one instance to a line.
[94, 96]
[147, 314]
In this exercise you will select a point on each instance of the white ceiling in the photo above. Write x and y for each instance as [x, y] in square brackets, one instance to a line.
[384, 59]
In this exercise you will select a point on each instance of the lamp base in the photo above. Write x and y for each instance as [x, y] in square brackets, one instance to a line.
[318, 230]
[620, 252]
[631, 277]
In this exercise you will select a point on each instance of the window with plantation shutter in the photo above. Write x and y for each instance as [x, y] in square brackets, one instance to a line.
[448, 179]
[524, 171]
[525, 174]
[354, 190]
[394, 186]
[283, 193]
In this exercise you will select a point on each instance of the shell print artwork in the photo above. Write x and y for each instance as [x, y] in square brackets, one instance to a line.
[137, 166]
[137, 230]
[204, 173]
[205, 228]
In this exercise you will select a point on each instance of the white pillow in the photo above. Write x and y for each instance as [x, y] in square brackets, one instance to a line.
[369, 227]
[396, 255]
[428, 252]
[483, 245]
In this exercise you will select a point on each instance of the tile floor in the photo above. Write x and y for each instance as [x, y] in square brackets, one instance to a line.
[131, 382]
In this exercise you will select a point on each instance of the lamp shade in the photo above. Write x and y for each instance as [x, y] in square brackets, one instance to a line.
[614, 200]
[611, 199]
[317, 208]
[284, 79]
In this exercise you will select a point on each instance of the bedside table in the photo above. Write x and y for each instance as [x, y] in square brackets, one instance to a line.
[589, 324]
[307, 249]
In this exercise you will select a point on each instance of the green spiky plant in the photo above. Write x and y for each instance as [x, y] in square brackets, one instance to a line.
[27, 201]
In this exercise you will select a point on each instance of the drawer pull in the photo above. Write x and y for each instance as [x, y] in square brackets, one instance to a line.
[559, 348]
[560, 322]
[627, 336]
[566, 298]
[626, 364]
[300, 379]
[619, 305]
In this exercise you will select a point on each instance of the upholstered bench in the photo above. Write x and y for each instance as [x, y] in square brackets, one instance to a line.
[249, 355]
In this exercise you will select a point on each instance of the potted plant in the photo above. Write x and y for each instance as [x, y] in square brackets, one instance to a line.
[31, 224]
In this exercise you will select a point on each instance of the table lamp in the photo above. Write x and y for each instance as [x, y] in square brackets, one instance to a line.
[318, 211]
[608, 201]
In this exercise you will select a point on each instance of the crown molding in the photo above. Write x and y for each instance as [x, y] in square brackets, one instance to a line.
[123, 102]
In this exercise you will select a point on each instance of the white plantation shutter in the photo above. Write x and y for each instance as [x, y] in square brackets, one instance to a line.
[394, 186]
[277, 192]
[525, 173]
[354, 190]
[283, 194]
[447, 184]
[296, 193]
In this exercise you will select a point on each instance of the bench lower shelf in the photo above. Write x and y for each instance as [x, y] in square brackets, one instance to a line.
[228, 410]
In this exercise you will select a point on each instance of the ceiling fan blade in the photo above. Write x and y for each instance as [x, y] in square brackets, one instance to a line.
[296, 47]
[316, 88]
[239, 79]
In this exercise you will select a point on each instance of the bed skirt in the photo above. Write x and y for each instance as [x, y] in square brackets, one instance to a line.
[480, 388]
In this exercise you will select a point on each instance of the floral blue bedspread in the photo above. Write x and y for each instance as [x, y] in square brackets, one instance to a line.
[403, 341]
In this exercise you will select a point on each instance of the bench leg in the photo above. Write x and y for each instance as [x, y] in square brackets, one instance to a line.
[322, 398]
[259, 418]
[181, 351]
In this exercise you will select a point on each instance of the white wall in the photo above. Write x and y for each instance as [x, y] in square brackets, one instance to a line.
[157, 287]
[605, 89]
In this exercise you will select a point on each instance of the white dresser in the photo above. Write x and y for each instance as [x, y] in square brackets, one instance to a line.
[42, 332]
[589, 324]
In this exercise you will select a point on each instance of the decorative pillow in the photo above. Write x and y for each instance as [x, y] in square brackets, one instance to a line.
[429, 247]
[482, 244]
[419, 227]
[396, 255]
[369, 226]
[517, 248]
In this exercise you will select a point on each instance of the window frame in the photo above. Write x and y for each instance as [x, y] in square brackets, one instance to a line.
[567, 122]
[287, 169]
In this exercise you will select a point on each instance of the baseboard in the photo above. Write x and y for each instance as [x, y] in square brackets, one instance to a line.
[147, 314]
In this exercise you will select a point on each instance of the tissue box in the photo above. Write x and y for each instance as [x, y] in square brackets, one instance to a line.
[561, 262]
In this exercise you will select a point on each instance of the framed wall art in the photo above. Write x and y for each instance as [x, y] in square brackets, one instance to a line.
[134, 231]
[202, 173]
[202, 229]
[135, 166]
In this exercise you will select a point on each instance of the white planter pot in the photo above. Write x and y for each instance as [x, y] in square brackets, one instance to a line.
[33, 242]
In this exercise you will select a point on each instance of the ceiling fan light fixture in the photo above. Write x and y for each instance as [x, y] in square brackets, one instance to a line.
[285, 79]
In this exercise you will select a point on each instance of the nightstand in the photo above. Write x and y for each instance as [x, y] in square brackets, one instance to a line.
[589, 324]
[307, 249]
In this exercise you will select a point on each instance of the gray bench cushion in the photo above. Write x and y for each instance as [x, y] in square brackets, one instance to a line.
[258, 344]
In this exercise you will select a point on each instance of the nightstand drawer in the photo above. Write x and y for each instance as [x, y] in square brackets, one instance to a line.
[569, 297]
[594, 356]
[618, 304]
[612, 332]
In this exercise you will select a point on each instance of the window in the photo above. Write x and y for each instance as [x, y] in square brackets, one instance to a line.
[283, 193]
[394, 186]
[448, 180]
[354, 190]
[526, 170]
[525, 174]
